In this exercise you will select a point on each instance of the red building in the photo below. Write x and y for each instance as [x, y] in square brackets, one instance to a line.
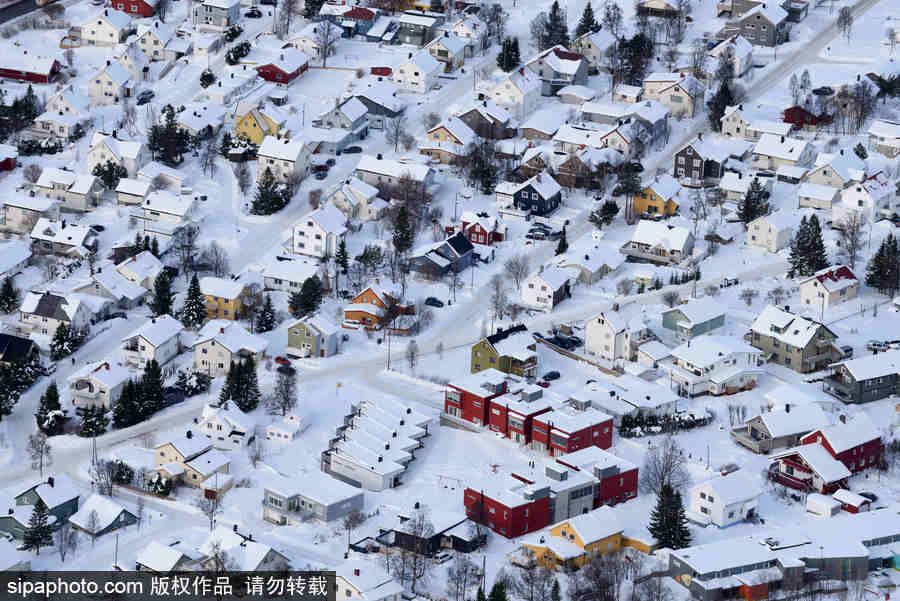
[566, 430]
[800, 117]
[469, 398]
[8, 156]
[512, 509]
[809, 468]
[480, 228]
[521, 413]
[29, 67]
[852, 502]
[617, 479]
[144, 8]
[289, 66]
[856, 444]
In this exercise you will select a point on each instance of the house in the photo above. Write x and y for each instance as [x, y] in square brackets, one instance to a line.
[164, 210]
[708, 158]
[368, 307]
[357, 579]
[195, 461]
[678, 92]
[309, 39]
[772, 152]
[449, 49]
[593, 46]
[350, 114]
[468, 398]
[791, 175]
[793, 341]
[43, 312]
[288, 276]
[136, 63]
[616, 333]
[875, 197]
[289, 501]
[286, 430]
[259, 123]
[19, 65]
[221, 343]
[822, 506]
[140, 269]
[866, 378]
[884, 137]
[358, 21]
[418, 73]
[736, 186]
[592, 261]
[59, 494]
[19, 215]
[489, 120]
[382, 102]
[162, 559]
[448, 142]
[201, 120]
[771, 232]
[699, 316]
[539, 195]
[725, 500]
[285, 158]
[557, 68]
[828, 287]
[659, 198]
[77, 192]
[61, 238]
[657, 8]
[319, 233]
[111, 285]
[511, 351]
[810, 468]
[469, 27]
[108, 28]
[387, 174]
[779, 429]
[566, 429]
[141, 8]
[159, 339]
[802, 118]
[416, 28]
[546, 289]
[765, 25]
[157, 173]
[57, 126]
[110, 84]
[98, 384]
[447, 532]
[15, 350]
[437, 259]
[225, 297]
[737, 50]
[226, 426]
[216, 15]
[290, 64]
[582, 169]
[542, 125]
[659, 242]
[851, 502]
[130, 154]
[574, 542]
[159, 42]
[518, 92]
[481, 228]
[101, 515]
[313, 336]
[715, 365]
[838, 170]
[817, 196]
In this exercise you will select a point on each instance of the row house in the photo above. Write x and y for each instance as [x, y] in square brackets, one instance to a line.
[566, 429]
[796, 342]
[469, 398]
[511, 351]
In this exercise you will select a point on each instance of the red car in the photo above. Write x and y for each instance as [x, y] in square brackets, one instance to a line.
[543, 384]
[282, 361]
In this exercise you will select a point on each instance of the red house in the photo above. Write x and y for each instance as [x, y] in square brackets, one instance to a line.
[521, 412]
[566, 430]
[856, 444]
[29, 67]
[852, 502]
[617, 479]
[144, 8]
[8, 156]
[470, 398]
[481, 228]
[809, 468]
[800, 117]
[290, 64]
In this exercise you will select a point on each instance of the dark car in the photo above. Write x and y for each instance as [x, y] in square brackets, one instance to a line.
[145, 96]
[353, 150]
[98, 228]
[116, 315]
[847, 350]
[286, 369]
[269, 2]
[433, 302]
[536, 236]
[320, 168]
[869, 495]
[282, 361]
[253, 13]
[562, 343]
[537, 335]
[551, 375]
[172, 395]
[543, 384]
[576, 340]
[322, 175]
[330, 162]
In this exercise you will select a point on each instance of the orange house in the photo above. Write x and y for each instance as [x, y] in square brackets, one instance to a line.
[368, 307]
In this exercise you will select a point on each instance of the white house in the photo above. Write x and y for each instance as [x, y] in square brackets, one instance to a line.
[594, 45]
[228, 428]
[318, 234]
[286, 430]
[110, 84]
[873, 198]
[738, 51]
[164, 206]
[131, 191]
[736, 185]
[771, 232]
[159, 338]
[616, 333]
[828, 287]
[839, 170]
[659, 242]
[288, 276]
[98, 384]
[14, 257]
[817, 196]
[141, 269]
[548, 288]
[725, 500]
[284, 157]
[309, 39]
[519, 92]
[772, 152]
[221, 342]
[131, 154]
[680, 93]
[153, 39]
[884, 137]
[62, 238]
[358, 580]
[714, 364]
[105, 29]
[109, 284]
[43, 312]
[418, 73]
[357, 200]
[74, 191]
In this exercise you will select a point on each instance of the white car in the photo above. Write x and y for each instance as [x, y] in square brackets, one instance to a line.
[442, 557]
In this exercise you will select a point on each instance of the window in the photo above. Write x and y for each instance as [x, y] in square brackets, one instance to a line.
[704, 510]
[711, 499]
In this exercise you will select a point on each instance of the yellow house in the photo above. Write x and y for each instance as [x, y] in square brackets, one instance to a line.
[224, 297]
[259, 123]
[572, 543]
[659, 198]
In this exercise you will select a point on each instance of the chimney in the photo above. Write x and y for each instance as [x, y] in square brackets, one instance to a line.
[106, 12]
[409, 55]
[156, 24]
[189, 435]
[221, 330]
[108, 63]
[843, 419]
[416, 506]
[50, 481]
[787, 407]
[741, 107]
[153, 320]
[378, 156]
[782, 139]
[356, 571]
[842, 152]
[235, 528]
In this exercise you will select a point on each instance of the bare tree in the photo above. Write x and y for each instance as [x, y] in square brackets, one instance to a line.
[32, 173]
[698, 58]
[285, 17]
[533, 582]
[747, 295]
[517, 268]
[439, 349]
[430, 120]
[891, 34]
[352, 521]
[208, 155]
[664, 465]
[40, 452]
[185, 242]
[652, 589]
[93, 525]
[795, 88]
[66, 540]
[671, 298]
[394, 130]
[159, 183]
[461, 576]
[220, 560]
[602, 576]
[217, 258]
[850, 236]
[412, 354]
[326, 37]
[315, 198]
[776, 295]
[251, 299]
[103, 475]
[69, 55]
[139, 511]
[712, 290]
[284, 395]
[162, 9]
[845, 22]
[499, 300]
[411, 564]
[242, 177]
[209, 508]
[256, 451]
[624, 287]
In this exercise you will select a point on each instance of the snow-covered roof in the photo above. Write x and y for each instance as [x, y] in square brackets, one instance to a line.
[456, 128]
[560, 60]
[368, 577]
[567, 420]
[543, 184]
[394, 168]
[595, 525]
[154, 168]
[873, 188]
[700, 310]
[105, 508]
[116, 284]
[555, 276]
[785, 326]
[781, 147]
[733, 488]
[231, 335]
[63, 490]
[313, 484]
[719, 148]
[221, 287]
[452, 42]
[770, 10]
[420, 20]
[32, 203]
[60, 232]
[13, 253]
[688, 83]
[158, 330]
[776, 128]
[106, 372]
[197, 117]
[516, 346]
[236, 419]
[188, 447]
[208, 462]
[816, 191]
[164, 201]
[780, 220]
[424, 61]
[46, 304]
[129, 149]
[651, 111]
[792, 171]
[833, 278]
[884, 129]
[820, 460]
[282, 149]
[295, 270]
[657, 233]
[16, 59]
[857, 431]
[162, 31]
[582, 92]
[329, 218]
[383, 93]
[740, 46]
[143, 265]
[159, 557]
[289, 60]
[546, 120]
[116, 73]
[592, 135]
[873, 366]
[134, 187]
[849, 498]
[735, 182]
[489, 109]
[354, 109]
[523, 79]
[794, 420]
[844, 163]
[708, 349]
[602, 39]
[665, 186]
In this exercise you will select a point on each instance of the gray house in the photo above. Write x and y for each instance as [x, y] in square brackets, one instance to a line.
[312, 494]
[216, 15]
[440, 258]
[417, 28]
[57, 492]
[764, 25]
[865, 379]
[557, 68]
[381, 102]
[694, 318]
[781, 429]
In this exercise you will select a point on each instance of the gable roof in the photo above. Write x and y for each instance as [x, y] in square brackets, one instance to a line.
[128, 149]
[16, 59]
[143, 265]
[47, 304]
[718, 148]
[653, 233]
[770, 10]
[688, 83]
[393, 168]
[665, 186]
[282, 149]
[873, 366]
[61, 232]
[700, 310]
[560, 60]
[557, 277]
[733, 488]
[797, 331]
[820, 460]
[833, 278]
[117, 285]
[106, 511]
[231, 335]
[816, 191]
[329, 218]
[543, 184]
[844, 163]
[424, 61]
[884, 129]
[14, 348]
[781, 147]
[595, 525]
[796, 420]
[457, 128]
[523, 79]
[108, 373]
[158, 330]
[707, 349]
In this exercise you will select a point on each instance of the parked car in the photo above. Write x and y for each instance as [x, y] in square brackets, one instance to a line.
[49, 369]
[536, 236]
[145, 96]
[321, 175]
[320, 168]
[282, 361]
[269, 2]
[551, 375]
[286, 369]
[576, 340]
[433, 302]
[442, 557]
[726, 282]
[847, 350]
[869, 495]
[876, 345]
[330, 162]
[98, 228]
[353, 150]
[543, 384]
[253, 13]
[117, 315]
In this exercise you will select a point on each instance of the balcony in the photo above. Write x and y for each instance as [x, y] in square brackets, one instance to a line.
[742, 436]
[790, 481]
[838, 387]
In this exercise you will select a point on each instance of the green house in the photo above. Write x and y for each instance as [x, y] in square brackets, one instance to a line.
[101, 515]
[692, 319]
[57, 492]
[512, 351]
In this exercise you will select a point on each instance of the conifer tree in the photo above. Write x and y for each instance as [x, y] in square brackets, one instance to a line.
[163, 295]
[93, 421]
[308, 299]
[269, 198]
[154, 247]
[588, 23]
[50, 416]
[557, 32]
[127, 410]
[150, 389]
[38, 533]
[799, 244]
[60, 345]
[722, 99]
[498, 592]
[563, 245]
[668, 523]
[504, 57]
[883, 270]
[755, 203]
[818, 257]
[341, 258]
[194, 311]
[480, 596]
[403, 235]
[265, 320]
[9, 296]
[516, 55]
[249, 395]
[658, 526]
[228, 389]
[681, 533]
